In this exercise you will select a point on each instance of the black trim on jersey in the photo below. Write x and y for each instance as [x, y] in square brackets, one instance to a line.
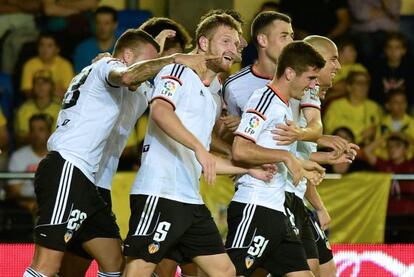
[265, 101]
[239, 74]
[177, 70]
[109, 84]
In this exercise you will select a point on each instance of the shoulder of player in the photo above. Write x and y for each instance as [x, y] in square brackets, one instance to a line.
[237, 77]
[177, 72]
[262, 100]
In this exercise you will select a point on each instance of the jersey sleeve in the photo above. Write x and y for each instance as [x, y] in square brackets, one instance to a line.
[311, 99]
[253, 120]
[169, 84]
[106, 66]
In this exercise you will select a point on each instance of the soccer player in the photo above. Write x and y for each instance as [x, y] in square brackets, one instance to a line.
[167, 210]
[260, 234]
[271, 32]
[70, 209]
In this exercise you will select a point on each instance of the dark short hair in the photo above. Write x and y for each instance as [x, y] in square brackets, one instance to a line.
[107, 10]
[233, 13]
[395, 36]
[42, 117]
[49, 35]
[394, 92]
[352, 75]
[155, 25]
[299, 56]
[263, 20]
[397, 138]
[210, 23]
[131, 38]
[345, 130]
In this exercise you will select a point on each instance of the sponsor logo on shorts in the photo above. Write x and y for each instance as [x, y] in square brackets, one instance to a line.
[249, 260]
[153, 247]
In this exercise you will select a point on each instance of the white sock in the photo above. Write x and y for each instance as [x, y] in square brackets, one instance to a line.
[109, 274]
[30, 272]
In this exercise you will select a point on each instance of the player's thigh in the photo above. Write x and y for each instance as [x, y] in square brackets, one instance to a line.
[107, 252]
[216, 265]
[74, 265]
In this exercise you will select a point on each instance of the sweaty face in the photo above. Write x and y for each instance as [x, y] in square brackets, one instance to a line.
[306, 80]
[280, 34]
[105, 26]
[328, 72]
[224, 42]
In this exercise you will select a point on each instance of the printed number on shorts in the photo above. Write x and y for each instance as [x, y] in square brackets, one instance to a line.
[75, 220]
[162, 231]
[258, 247]
[72, 95]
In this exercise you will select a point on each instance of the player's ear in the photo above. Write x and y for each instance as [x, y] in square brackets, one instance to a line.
[262, 40]
[289, 73]
[203, 43]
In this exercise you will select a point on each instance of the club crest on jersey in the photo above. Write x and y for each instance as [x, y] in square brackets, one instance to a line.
[169, 88]
[68, 236]
[153, 247]
[249, 260]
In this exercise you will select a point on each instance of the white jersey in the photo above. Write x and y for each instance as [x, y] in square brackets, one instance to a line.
[90, 109]
[169, 169]
[304, 148]
[133, 106]
[215, 88]
[265, 109]
[238, 88]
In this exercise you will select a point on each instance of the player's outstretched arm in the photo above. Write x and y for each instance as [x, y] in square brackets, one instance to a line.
[225, 166]
[248, 152]
[162, 112]
[144, 70]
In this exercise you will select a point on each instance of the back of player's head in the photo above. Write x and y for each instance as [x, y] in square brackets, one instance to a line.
[132, 38]
[320, 43]
[107, 10]
[299, 56]
[233, 13]
[207, 26]
[156, 25]
[263, 21]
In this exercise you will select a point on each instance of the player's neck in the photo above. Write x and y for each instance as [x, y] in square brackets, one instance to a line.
[281, 88]
[265, 67]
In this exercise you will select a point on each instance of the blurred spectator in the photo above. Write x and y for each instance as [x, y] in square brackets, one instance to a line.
[249, 54]
[48, 59]
[355, 111]
[348, 60]
[394, 71]
[27, 158]
[17, 26]
[317, 17]
[371, 20]
[179, 43]
[42, 102]
[6, 94]
[4, 141]
[69, 21]
[402, 193]
[106, 21]
[397, 121]
[407, 23]
[357, 165]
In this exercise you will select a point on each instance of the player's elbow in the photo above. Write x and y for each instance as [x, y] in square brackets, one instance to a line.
[239, 153]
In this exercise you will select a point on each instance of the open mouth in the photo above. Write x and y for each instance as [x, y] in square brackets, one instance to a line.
[228, 58]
